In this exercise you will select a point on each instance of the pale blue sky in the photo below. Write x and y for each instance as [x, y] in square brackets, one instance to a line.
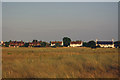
[52, 21]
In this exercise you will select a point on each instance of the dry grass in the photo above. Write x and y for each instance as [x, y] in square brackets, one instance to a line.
[59, 63]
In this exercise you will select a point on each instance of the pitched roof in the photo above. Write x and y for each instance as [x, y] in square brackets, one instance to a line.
[75, 42]
[53, 42]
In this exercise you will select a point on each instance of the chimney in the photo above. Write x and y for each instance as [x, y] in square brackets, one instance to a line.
[96, 40]
[113, 41]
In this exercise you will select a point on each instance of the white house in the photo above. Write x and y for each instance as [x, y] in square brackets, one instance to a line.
[1, 42]
[76, 43]
[52, 43]
[105, 44]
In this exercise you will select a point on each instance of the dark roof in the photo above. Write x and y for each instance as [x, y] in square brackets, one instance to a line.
[105, 42]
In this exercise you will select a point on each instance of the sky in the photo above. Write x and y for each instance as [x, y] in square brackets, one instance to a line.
[0, 21]
[59, 0]
[118, 21]
[50, 21]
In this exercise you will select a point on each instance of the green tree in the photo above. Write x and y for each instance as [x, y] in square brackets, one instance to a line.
[92, 44]
[78, 40]
[58, 45]
[26, 44]
[43, 44]
[35, 41]
[7, 44]
[117, 44]
[85, 44]
[66, 41]
[10, 41]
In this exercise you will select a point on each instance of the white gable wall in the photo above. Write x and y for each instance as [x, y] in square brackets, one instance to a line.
[75, 45]
[106, 45]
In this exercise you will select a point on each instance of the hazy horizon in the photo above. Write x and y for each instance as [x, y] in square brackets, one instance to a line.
[50, 21]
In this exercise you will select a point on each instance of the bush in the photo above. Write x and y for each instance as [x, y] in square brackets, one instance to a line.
[6, 44]
[9, 53]
[26, 44]
[43, 44]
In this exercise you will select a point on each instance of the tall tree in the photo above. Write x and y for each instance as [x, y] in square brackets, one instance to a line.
[66, 41]
[35, 41]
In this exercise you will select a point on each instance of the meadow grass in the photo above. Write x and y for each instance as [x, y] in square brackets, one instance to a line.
[60, 63]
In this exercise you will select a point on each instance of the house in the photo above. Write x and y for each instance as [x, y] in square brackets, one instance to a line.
[31, 44]
[76, 43]
[2, 43]
[52, 43]
[105, 44]
[72, 43]
[16, 43]
[38, 43]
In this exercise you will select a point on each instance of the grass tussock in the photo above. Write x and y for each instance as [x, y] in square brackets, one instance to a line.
[60, 63]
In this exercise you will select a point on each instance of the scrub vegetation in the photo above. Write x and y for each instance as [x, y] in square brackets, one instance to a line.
[62, 62]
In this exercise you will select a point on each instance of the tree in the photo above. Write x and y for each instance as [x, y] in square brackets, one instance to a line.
[66, 41]
[26, 44]
[117, 44]
[35, 41]
[85, 44]
[78, 40]
[43, 44]
[7, 44]
[10, 41]
[58, 45]
[92, 44]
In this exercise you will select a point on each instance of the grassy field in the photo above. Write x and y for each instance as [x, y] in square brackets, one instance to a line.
[59, 63]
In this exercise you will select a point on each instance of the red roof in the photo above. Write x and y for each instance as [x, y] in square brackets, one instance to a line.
[53, 42]
[20, 43]
[30, 43]
[75, 42]
[35, 43]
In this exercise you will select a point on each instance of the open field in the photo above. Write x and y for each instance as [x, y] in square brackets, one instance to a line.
[59, 63]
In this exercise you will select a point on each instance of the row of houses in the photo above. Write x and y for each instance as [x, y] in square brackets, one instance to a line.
[38, 43]
[13, 43]
[21, 43]
[104, 44]
[72, 43]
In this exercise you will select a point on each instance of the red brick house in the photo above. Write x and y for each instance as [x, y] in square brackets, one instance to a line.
[52, 43]
[16, 43]
[38, 43]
